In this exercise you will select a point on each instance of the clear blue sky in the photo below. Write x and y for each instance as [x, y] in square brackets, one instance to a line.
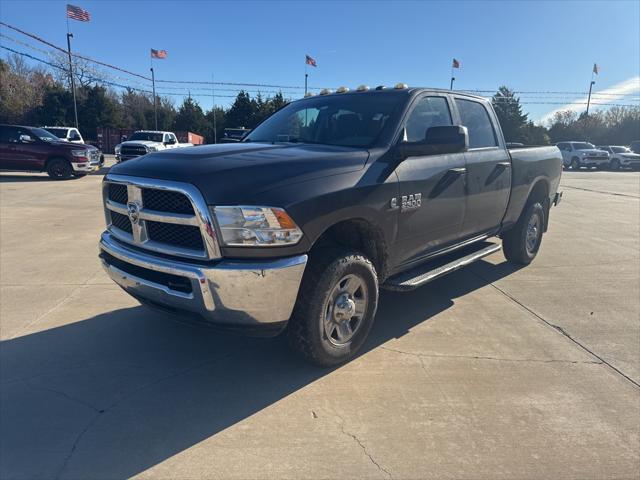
[531, 46]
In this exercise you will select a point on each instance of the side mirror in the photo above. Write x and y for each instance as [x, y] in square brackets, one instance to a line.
[25, 139]
[170, 142]
[438, 141]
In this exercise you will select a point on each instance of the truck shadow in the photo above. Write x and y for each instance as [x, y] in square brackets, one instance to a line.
[116, 394]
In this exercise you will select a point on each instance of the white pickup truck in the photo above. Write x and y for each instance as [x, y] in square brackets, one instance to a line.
[146, 141]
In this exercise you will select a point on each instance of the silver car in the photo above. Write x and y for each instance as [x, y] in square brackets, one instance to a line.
[621, 157]
[576, 155]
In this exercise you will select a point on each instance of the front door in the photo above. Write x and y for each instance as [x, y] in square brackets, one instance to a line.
[432, 187]
[488, 170]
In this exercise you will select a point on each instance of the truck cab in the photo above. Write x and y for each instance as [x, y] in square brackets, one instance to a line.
[333, 197]
[68, 134]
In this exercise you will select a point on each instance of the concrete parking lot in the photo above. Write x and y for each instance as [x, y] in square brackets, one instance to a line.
[493, 372]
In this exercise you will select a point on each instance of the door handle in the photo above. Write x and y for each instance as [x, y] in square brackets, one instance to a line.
[504, 164]
[458, 171]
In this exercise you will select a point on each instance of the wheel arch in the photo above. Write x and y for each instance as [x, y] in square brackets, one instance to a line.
[359, 234]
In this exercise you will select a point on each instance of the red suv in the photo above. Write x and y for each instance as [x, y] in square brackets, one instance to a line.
[36, 150]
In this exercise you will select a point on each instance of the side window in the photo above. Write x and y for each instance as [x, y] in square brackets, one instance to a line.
[475, 117]
[428, 112]
[9, 135]
[167, 138]
[173, 137]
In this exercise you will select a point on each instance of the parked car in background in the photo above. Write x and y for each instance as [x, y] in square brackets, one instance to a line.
[331, 197]
[69, 134]
[582, 154]
[37, 150]
[635, 146]
[146, 141]
[232, 135]
[621, 157]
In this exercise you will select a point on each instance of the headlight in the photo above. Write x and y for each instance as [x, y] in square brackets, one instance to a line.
[117, 149]
[152, 149]
[80, 153]
[255, 226]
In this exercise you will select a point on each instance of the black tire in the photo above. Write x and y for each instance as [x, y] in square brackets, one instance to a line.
[522, 243]
[322, 312]
[59, 169]
[79, 175]
[614, 165]
[575, 163]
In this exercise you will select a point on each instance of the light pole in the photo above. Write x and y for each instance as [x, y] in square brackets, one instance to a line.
[589, 99]
[73, 83]
[155, 106]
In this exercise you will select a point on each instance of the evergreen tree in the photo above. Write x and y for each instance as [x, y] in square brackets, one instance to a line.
[509, 111]
[190, 118]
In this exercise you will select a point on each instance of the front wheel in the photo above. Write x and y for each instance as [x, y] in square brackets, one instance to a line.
[575, 163]
[336, 306]
[522, 242]
[59, 169]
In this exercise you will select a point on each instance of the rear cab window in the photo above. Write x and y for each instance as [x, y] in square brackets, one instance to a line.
[475, 117]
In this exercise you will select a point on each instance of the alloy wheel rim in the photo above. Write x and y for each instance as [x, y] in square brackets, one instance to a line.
[533, 232]
[345, 309]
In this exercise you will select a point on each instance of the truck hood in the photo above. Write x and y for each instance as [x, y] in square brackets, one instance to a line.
[233, 173]
[72, 146]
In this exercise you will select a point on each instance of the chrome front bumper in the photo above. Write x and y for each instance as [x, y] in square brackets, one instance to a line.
[239, 294]
[86, 167]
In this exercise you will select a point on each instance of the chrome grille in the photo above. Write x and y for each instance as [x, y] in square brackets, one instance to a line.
[133, 151]
[159, 215]
[166, 201]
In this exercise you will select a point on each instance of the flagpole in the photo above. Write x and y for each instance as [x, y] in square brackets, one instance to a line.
[590, 88]
[452, 78]
[73, 83]
[213, 93]
[153, 87]
[306, 76]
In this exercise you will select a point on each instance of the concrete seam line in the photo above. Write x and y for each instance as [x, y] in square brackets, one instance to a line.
[601, 191]
[559, 330]
[480, 357]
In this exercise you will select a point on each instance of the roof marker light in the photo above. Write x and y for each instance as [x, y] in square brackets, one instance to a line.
[362, 88]
[308, 94]
[326, 91]
[401, 86]
[380, 87]
[342, 90]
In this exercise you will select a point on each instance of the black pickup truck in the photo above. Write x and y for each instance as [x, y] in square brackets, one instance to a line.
[297, 227]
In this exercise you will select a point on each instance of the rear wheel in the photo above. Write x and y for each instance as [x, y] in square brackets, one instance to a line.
[575, 163]
[615, 164]
[59, 169]
[335, 309]
[522, 242]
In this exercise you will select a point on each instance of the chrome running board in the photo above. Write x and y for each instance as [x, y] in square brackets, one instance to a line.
[418, 276]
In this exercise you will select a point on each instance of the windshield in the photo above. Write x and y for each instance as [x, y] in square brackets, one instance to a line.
[341, 120]
[620, 150]
[583, 146]
[151, 136]
[58, 132]
[44, 135]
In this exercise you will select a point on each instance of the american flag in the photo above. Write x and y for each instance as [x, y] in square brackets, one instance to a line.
[596, 68]
[455, 64]
[158, 53]
[310, 61]
[77, 13]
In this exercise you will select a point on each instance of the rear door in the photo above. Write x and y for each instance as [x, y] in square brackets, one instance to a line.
[11, 154]
[432, 187]
[488, 169]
